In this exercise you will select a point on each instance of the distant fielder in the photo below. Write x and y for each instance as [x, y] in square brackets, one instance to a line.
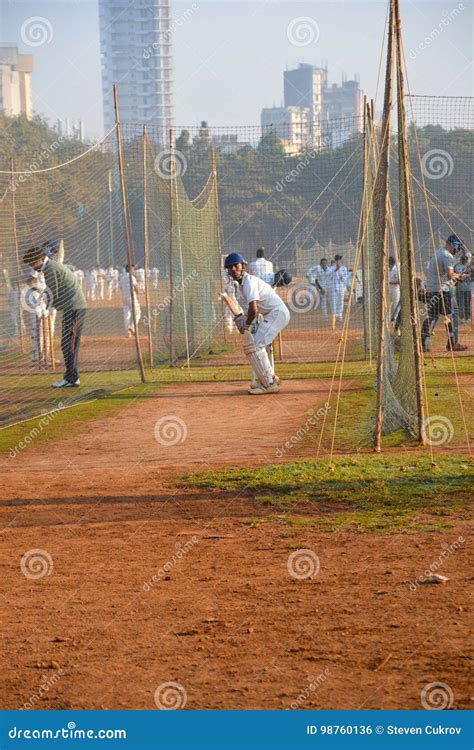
[258, 298]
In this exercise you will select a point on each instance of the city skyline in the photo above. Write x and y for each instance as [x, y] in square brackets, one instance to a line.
[229, 56]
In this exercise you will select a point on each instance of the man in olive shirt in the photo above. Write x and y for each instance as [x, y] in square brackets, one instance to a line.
[66, 295]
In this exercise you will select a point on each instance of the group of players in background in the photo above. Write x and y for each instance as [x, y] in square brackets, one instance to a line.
[253, 285]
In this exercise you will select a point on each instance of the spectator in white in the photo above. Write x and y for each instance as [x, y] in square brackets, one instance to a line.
[109, 281]
[393, 287]
[91, 284]
[337, 290]
[37, 304]
[319, 277]
[100, 281]
[154, 273]
[140, 276]
[127, 301]
[463, 288]
[262, 267]
[79, 273]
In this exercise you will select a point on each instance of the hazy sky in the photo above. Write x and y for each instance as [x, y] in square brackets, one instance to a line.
[230, 56]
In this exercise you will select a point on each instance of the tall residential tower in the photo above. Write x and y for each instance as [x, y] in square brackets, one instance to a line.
[136, 51]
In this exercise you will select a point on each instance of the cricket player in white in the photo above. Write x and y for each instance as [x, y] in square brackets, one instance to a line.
[319, 276]
[337, 290]
[262, 267]
[257, 297]
[393, 287]
[127, 301]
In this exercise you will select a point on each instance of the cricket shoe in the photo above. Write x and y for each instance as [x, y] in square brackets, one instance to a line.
[65, 384]
[456, 348]
[261, 390]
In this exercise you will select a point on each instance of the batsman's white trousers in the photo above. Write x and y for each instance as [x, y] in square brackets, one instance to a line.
[271, 325]
[128, 316]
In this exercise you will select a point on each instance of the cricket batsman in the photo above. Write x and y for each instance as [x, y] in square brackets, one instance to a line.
[266, 316]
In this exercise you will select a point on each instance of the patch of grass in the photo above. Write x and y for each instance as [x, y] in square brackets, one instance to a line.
[364, 493]
[69, 421]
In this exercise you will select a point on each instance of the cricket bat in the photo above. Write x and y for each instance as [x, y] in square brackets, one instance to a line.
[231, 304]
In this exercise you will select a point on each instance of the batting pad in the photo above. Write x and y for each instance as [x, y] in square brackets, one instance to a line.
[258, 359]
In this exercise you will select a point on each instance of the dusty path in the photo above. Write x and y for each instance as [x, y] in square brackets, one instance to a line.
[142, 584]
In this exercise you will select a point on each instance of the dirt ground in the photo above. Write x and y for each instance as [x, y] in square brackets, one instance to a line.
[146, 584]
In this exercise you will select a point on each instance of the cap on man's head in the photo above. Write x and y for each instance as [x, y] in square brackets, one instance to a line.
[33, 254]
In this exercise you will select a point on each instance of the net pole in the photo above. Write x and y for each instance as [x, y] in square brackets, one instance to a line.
[127, 234]
[406, 229]
[171, 341]
[17, 254]
[380, 230]
[145, 243]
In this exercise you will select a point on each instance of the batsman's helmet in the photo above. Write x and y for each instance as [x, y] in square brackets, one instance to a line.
[454, 240]
[232, 259]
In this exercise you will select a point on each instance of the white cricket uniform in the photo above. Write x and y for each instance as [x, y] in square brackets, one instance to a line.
[154, 273]
[394, 289]
[318, 274]
[109, 281]
[337, 283]
[38, 306]
[275, 316]
[140, 275]
[127, 301]
[100, 282]
[79, 274]
[262, 268]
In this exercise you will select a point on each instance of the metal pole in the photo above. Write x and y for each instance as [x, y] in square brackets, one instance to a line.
[145, 244]
[127, 234]
[17, 255]
[364, 235]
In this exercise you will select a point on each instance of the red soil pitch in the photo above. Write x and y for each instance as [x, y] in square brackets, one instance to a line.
[150, 584]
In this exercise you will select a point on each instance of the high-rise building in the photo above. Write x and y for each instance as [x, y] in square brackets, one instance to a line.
[303, 87]
[136, 50]
[292, 125]
[15, 82]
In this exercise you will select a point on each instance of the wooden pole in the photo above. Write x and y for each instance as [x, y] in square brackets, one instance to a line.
[17, 254]
[218, 228]
[39, 344]
[145, 244]
[364, 216]
[51, 343]
[380, 230]
[406, 231]
[44, 331]
[127, 234]
[171, 137]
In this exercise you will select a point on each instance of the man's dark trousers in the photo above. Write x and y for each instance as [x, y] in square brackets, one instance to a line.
[73, 321]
